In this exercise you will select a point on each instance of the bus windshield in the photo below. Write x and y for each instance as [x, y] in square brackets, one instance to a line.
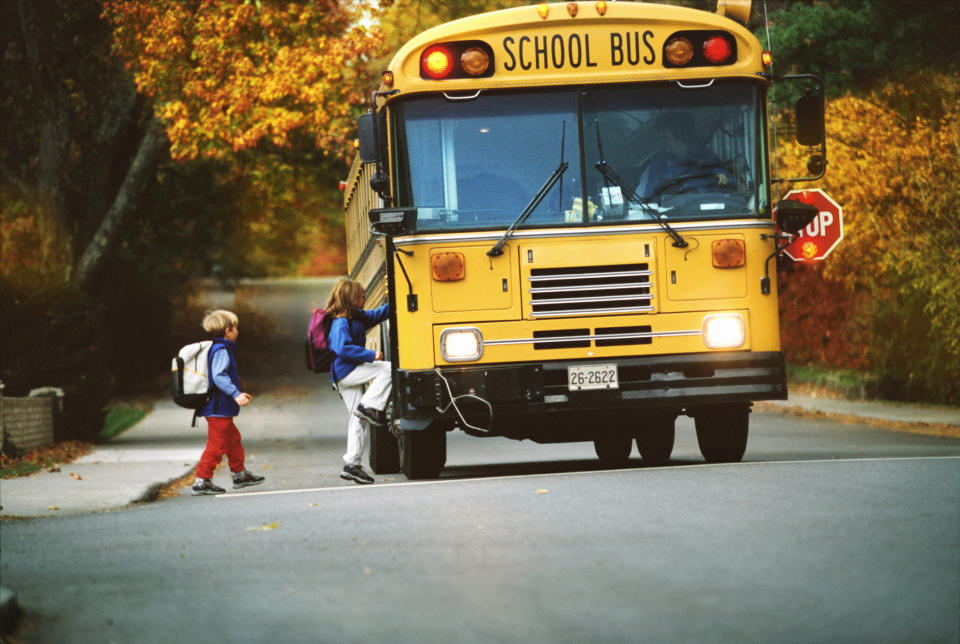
[675, 154]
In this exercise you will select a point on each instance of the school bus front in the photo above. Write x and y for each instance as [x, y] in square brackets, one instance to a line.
[577, 230]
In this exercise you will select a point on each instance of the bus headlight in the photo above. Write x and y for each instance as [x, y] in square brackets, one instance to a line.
[725, 331]
[461, 345]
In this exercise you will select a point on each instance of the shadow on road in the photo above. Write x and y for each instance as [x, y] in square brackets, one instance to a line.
[536, 468]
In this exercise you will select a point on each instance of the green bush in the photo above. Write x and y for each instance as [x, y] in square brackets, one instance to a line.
[910, 355]
[51, 335]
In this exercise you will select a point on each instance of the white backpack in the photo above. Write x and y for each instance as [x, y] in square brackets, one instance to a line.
[190, 385]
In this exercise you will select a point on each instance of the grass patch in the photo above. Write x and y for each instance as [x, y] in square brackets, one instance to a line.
[119, 419]
[848, 383]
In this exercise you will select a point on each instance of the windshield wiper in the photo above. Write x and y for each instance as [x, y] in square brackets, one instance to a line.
[610, 175]
[497, 249]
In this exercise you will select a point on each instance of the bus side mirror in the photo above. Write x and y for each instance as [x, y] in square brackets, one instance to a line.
[793, 215]
[810, 123]
[392, 221]
[366, 130]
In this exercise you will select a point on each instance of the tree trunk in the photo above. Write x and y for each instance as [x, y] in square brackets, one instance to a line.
[142, 171]
[50, 196]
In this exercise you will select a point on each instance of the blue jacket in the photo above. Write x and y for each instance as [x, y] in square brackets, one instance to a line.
[224, 381]
[348, 339]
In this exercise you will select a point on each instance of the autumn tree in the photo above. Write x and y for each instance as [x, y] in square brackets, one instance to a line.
[884, 301]
[229, 76]
[78, 143]
[255, 100]
[857, 45]
[898, 264]
[84, 130]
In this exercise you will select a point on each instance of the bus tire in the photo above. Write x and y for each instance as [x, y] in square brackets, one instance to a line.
[655, 438]
[613, 449]
[722, 432]
[423, 452]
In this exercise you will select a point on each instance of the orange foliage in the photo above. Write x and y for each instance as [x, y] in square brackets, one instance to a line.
[818, 319]
[228, 75]
[20, 247]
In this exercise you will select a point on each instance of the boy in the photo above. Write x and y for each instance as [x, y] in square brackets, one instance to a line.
[226, 399]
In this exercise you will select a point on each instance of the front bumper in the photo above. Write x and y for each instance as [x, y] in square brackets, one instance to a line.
[672, 382]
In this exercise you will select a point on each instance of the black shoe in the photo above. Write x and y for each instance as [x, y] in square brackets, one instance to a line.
[246, 478]
[356, 474]
[205, 486]
[373, 416]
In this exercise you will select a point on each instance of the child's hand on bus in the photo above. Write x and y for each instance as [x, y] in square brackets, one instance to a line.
[379, 355]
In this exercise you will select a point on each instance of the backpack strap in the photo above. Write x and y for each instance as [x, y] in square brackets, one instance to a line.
[214, 391]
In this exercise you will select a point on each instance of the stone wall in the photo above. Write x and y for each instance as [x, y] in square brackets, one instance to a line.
[27, 422]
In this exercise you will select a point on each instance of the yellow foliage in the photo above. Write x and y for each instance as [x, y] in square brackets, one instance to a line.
[897, 181]
[228, 75]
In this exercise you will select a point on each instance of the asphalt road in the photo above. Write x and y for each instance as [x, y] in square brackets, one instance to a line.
[827, 532]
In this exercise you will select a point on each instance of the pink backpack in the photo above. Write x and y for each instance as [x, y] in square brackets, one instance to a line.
[318, 354]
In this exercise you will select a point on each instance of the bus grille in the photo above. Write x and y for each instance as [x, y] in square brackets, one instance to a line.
[591, 290]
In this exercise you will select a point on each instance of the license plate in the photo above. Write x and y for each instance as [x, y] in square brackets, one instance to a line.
[594, 376]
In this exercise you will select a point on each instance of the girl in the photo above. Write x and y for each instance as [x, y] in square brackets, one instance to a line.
[356, 366]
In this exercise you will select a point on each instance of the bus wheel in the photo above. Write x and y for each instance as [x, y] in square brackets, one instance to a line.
[655, 439]
[722, 432]
[613, 449]
[423, 452]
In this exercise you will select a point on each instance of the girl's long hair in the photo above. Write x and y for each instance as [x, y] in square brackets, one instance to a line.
[345, 298]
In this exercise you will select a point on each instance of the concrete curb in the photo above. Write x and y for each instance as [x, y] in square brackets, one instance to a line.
[908, 417]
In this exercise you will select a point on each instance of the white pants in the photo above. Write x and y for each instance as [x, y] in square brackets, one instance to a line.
[377, 376]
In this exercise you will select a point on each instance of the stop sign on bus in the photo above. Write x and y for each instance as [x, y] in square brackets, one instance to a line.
[818, 238]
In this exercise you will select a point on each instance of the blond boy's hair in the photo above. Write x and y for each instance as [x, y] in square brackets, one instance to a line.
[345, 298]
[218, 322]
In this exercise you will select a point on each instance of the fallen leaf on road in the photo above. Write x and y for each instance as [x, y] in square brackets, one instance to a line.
[53, 507]
[54, 469]
[265, 526]
[313, 505]
[542, 490]
[76, 477]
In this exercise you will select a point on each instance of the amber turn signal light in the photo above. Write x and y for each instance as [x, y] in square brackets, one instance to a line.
[448, 267]
[679, 51]
[475, 61]
[729, 253]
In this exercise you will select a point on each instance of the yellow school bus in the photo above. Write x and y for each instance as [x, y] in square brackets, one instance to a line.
[570, 209]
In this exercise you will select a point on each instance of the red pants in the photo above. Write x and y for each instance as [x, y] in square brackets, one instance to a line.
[223, 437]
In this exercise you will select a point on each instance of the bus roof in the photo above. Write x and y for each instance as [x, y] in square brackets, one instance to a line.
[625, 44]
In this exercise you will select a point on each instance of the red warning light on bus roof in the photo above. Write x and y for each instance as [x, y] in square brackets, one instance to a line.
[717, 49]
[436, 62]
